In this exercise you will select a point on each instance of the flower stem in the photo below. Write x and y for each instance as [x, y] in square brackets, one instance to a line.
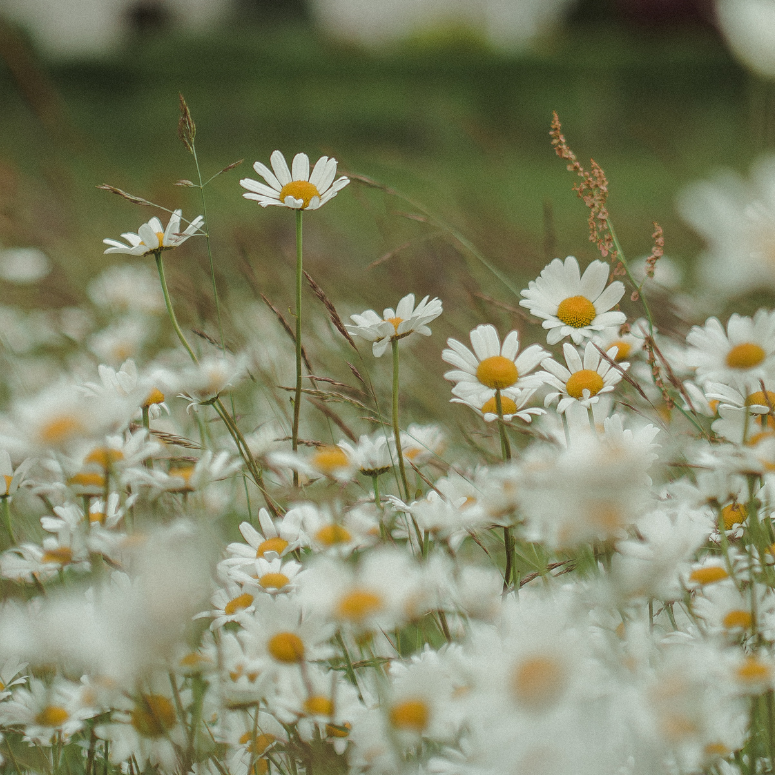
[505, 446]
[170, 311]
[396, 428]
[6, 507]
[297, 394]
[508, 542]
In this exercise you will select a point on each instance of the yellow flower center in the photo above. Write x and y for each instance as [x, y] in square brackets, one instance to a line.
[745, 356]
[319, 705]
[738, 618]
[716, 749]
[52, 716]
[286, 647]
[507, 405]
[412, 715]
[359, 605]
[62, 555]
[154, 397]
[733, 514]
[395, 321]
[760, 399]
[238, 603]
[329, 535]
[273, 580]
[60, 429]
[160, 237]
[538, 681]
[8, 479]
[299, 189]
[623, 351]
[753, 670]
[275, 544]
[586, 379]
[576, 311]
[708, 575]
[259, 745]
[97, 517]
[183, 473]
[104, 456]
[497, 372]
[153, 716]
[329, 459]
[88, 479]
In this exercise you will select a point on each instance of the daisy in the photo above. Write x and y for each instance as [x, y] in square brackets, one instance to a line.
[152, 237]
[572, 304]
[397, 324]
[583, 381]
[491, 365]
[483, 402]
[296, 187]
[742, 356]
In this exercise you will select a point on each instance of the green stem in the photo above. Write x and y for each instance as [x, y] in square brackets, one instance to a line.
[297, 394]
[396, 428]
[170, 311]
[638, 288]
[7, 518]
[591, 416]
[505, 446]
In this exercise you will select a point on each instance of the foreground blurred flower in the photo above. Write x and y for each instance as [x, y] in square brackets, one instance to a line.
[396, 324]
[295, 188]
[749, 27]
[152, 237]
[573, 304]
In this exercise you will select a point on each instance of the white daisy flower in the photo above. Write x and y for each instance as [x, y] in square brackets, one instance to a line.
[573, 304]
[583, 381]
[492, 365]
[398, 323]
[484, 403]
[742, 356]
[152, 237]
[296, 187]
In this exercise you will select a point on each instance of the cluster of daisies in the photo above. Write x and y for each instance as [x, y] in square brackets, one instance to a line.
[585, 584]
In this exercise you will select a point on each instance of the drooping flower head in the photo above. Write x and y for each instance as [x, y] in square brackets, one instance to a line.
[296, 187]
[398, 323]
[573, 304]
[152, 237]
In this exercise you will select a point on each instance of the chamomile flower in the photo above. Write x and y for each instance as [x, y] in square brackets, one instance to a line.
[583, 381]
[484, 403]
[296, 188]
[399, 323]
[742, 356]
[492, 365]
[152, 237]
[573, 304]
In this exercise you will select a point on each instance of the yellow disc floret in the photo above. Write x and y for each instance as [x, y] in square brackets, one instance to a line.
[753, 670]
[586, 379]
[52, 716]
[329, 535]
[319, 705]
[733, 514]
[286, 647]
[538, 681]
[760, 398]
[576, 311]
[411, 715]
[623, 349]
[60, 430]
[396, 322]
[299, 189]
[507, 405]
[238, 603]
[275, 544]
[359, 605]
[273, 580]
[153, 716]
[737, 618]
[708, 575]
[154, 397]
[497, 372]
[329, 459]
[745, 356]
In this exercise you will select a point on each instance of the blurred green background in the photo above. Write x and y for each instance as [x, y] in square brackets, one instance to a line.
[460, 129]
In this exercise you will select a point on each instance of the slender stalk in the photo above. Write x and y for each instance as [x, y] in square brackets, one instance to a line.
[396, 428]
[6, 508]
[170, 311]
[508, 541]
[297, 394]
[591, 416]
[505, 446]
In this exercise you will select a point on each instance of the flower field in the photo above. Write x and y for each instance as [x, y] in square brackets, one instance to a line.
[251, 526]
